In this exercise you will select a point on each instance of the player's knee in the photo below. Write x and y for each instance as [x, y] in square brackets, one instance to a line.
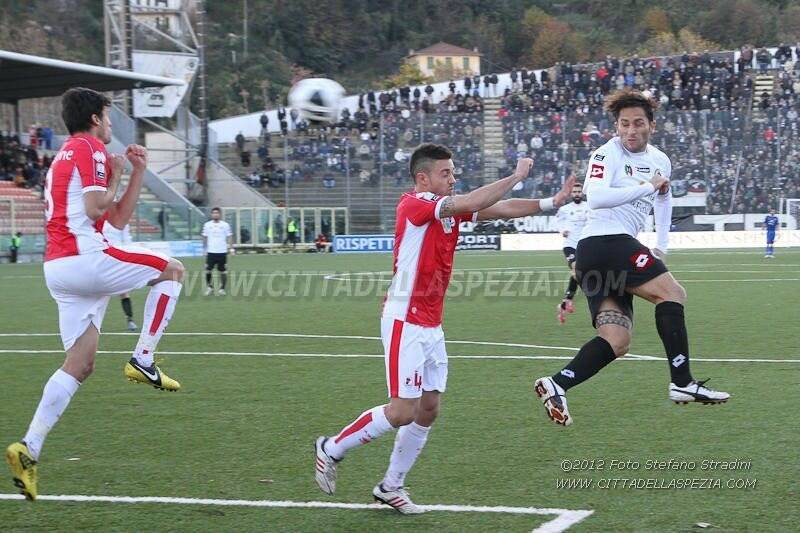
[679, 294]
[618, 338]
[175, 270]
[401, 413]
[427, 414]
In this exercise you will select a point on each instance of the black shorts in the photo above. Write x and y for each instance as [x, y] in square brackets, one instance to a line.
[218, 260]
[569, 254]
[608, 264]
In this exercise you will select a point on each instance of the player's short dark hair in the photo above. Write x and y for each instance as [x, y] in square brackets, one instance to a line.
[216, 209]
[628, 97]
[78, 105]
[424, 155]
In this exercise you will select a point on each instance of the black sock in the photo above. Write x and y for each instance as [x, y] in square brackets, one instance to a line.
[671, 327]
[590, 359]
[571, 288]
[127, 308]
[208, 278]
[223, 277]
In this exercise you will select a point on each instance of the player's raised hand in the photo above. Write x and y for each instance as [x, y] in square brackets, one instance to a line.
[117, 165]
[561, 197]
[523, 168]
[137, 155]
[660, 183]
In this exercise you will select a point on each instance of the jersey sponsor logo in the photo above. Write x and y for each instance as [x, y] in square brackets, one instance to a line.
[646, 170]
[642, 261]
[448, 224]
[599, 157]
[63, 156]
[629, 170]
[100, 157]
[597, 171]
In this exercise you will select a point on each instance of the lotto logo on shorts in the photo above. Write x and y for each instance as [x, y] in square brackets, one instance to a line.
[642, 261]
[597, 171]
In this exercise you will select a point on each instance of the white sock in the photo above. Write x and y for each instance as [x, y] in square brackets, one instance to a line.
[369, 425]
[57, 393]
[158, 310]
[407, 445]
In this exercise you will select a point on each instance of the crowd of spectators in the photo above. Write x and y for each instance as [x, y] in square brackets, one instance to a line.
[375, 140]
[705, 123]
[22, 163]
[743, 152]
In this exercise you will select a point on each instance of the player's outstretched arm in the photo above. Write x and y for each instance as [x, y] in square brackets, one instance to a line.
[522, 207]
[487, 195]
[119, 214]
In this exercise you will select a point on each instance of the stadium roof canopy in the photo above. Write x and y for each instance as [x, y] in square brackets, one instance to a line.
[25, 76]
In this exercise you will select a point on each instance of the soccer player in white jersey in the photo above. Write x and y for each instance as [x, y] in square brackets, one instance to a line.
[627, 178]
[82, 271]
[426, 233]
[570, 220]
[217, 240]
[118, 238]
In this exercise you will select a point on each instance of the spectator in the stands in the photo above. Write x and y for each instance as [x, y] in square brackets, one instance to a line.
[240, 140]
[264, 120]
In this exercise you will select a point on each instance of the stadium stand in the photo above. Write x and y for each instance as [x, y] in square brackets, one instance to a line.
[726, 119]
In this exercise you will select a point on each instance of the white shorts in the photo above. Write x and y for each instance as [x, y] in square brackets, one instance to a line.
[416, 358]
[83, 284]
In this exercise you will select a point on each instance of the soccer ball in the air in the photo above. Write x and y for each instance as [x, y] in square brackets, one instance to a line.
[317, 99]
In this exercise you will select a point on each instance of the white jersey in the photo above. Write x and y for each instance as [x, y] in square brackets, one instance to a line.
[216, 234]
[618, 189]
[117, 237]
[572, 218]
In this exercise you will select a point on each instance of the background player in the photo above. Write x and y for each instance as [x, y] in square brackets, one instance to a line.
[118, 238]
[771, 224]
[217, 240]
[83, 271]
[570, 220]
[627, 178]
[426, 234]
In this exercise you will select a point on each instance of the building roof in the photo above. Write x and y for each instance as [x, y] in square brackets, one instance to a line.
[25, 76]
[444, 49]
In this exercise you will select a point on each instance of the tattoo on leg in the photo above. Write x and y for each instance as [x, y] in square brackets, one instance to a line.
[613, 317]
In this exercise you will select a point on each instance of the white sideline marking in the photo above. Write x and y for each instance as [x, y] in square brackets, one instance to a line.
[628, 357]
[565, 518]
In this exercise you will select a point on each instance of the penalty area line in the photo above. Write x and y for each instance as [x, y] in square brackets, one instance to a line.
[565, 518]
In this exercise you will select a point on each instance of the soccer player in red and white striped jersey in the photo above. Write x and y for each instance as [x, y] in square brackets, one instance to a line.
[426, 233]
[82, 270]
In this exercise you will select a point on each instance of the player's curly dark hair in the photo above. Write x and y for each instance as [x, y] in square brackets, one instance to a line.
[78, 105]
[628, 97]
[424, 155]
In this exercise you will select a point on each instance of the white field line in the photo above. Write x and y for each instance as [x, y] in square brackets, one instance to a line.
[629, 357]
[564, 517]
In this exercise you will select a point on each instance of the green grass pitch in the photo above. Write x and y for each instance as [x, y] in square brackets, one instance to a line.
[243, 424]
